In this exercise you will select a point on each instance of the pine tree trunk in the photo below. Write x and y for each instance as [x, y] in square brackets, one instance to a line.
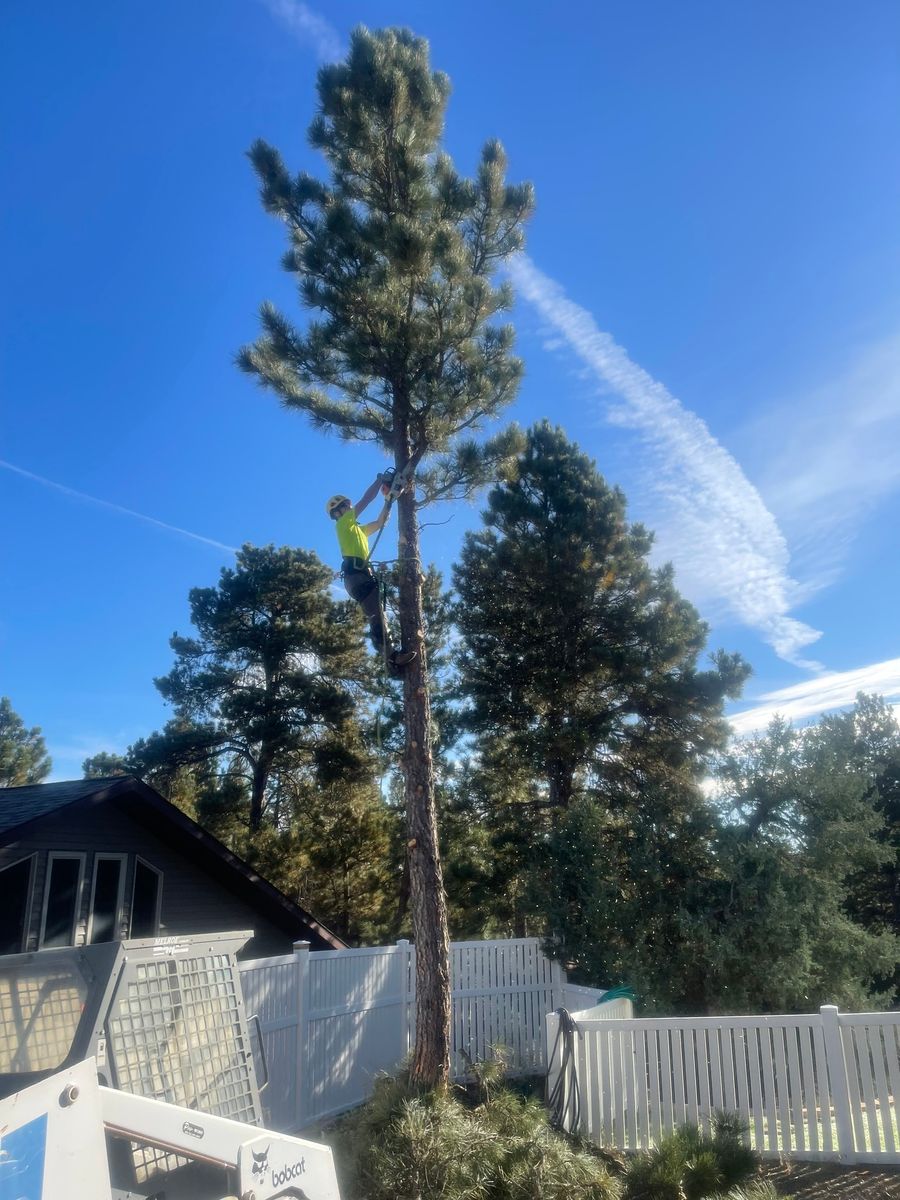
[257, 792]
[431, 1058]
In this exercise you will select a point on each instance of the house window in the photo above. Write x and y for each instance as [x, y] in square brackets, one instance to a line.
[145, 900]
[15, 888]
[106, 897]
[62, 896]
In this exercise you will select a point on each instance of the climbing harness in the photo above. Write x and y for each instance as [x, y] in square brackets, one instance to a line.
[564, 1100]
[396, 482]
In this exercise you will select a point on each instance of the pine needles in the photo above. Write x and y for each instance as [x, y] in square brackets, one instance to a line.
[491, 1143]
[412, 1145]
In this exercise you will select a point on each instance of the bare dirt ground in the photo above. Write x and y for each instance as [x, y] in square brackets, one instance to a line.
[827, 1181]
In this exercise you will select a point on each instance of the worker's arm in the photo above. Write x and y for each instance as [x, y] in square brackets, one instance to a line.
[368, 496]
[374, 526]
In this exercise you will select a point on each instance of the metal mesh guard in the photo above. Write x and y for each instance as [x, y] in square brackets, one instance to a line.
[39, 1014]
[177, 1034]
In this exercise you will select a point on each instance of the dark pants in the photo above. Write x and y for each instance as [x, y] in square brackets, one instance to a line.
[362, 586]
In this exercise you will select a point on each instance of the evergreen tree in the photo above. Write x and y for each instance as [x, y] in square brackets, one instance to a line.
[104, 765]
[23, 752]
[397, 252]
[578, 658]
[798, 825]
[592, 719]
[626, 895]
[331, 853]
[874, 895]
[264, 689]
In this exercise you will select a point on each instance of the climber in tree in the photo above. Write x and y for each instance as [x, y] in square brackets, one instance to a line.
[356, 570]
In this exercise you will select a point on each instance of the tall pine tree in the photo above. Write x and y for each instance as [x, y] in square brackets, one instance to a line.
[396, 252]
[591, 714]
[265, 685]
[578, 657]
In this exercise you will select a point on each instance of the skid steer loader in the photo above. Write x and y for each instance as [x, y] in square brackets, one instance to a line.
[128, 1074]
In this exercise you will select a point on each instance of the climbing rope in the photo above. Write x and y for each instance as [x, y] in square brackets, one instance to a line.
[564, 1100]
[396, 481]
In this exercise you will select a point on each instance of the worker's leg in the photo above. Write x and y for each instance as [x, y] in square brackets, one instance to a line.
[363, 587]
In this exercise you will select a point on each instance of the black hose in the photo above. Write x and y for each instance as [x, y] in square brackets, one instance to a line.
[564, 1100]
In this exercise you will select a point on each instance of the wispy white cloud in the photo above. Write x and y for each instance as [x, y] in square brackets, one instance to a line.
[713, 523]
[825, 458]
[826, 693]
[117, 508]
[310, 28]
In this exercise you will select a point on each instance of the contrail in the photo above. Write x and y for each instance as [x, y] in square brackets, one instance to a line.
[128, 512]
[308, 27]
[727, 540]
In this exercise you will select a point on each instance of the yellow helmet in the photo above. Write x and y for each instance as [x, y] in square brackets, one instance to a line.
[335, 502]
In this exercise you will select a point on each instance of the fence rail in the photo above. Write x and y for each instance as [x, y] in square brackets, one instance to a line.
[332, 1020]
[823, 1086]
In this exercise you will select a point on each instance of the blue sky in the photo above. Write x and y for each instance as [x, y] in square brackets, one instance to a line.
[708, 305]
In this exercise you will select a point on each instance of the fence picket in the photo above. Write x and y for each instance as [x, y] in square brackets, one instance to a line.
[654, 1099]
[604, 1059]
[631, 1089]
[617, 1038]
[883, 1099]
[642, 1079]
[667, 1114]
[690, 1061]
[754, 1066]
[823, 1088]
[743, 1085]
[808, 1089]
[795, 1086]
[586, 1091]
[856, 1102]
[678, 1076]
[770, 1141]
[864, 1066]
[729, 1092]
[715, 1068]
[703, 1075]
[784, 1142]
[892, 1054]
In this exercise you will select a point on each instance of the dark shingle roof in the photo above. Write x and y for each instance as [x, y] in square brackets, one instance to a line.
[21, 804]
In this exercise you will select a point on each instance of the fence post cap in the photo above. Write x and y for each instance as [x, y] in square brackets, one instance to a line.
[300, 947]
[828, 1008]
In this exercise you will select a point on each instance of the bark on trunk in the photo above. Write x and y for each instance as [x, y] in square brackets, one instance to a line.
[428, 906]
[257, 793]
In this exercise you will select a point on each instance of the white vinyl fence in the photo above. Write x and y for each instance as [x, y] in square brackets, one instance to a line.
[332, 1020]
[825, 1086]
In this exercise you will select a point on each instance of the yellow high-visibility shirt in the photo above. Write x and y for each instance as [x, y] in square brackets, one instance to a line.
[352, 537]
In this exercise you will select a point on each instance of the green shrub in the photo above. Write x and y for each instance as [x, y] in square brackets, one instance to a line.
[408, 1145]
[692, 1165]
[758, 1190]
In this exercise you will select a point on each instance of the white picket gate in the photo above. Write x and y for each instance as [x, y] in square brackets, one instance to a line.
[332, 1020]
[824, 1086]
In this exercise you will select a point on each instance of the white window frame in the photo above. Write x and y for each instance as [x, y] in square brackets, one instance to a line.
[159, 891]
[29, 897]
[52, 857]
[120, 897]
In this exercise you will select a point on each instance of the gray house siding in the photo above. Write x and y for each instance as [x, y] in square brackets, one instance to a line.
[191, 901]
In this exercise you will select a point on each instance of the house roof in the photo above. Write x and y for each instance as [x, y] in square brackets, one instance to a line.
[21, 804]
[22, 807]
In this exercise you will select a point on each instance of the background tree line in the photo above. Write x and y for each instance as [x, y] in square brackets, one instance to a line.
[588, 790]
